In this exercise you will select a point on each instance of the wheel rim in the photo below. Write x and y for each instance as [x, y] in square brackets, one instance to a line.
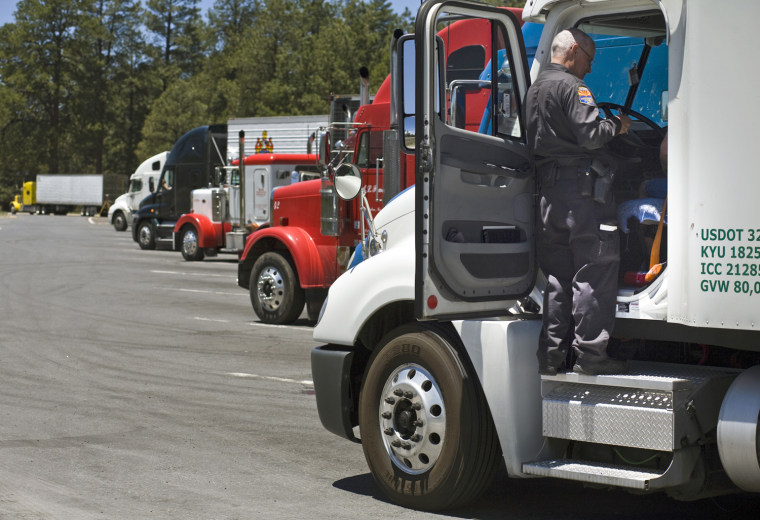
[119, 220]
[145, 235]
[412, 419]
[270, 288]
[190, 243]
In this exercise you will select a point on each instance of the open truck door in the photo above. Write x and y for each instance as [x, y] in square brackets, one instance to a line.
[475, 195]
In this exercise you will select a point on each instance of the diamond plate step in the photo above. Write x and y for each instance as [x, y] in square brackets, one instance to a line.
[645, 408]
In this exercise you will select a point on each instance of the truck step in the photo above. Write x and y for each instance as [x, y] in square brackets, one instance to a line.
[645, 408]
[593, 473]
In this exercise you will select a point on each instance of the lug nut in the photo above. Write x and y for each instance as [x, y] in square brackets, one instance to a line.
[398, 392]
[396, 443]
[416, 438]
[406, 446]
[388, 431]
[408, 395]
[418, 423]
[417, 406]
[386, 415]
[390, 400]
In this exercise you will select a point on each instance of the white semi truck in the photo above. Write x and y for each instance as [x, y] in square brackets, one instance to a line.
[141, 183]
[429, 344]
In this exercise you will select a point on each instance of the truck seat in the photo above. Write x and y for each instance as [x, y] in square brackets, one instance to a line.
[643, 211]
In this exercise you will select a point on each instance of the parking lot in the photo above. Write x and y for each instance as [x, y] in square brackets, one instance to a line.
[134, 384]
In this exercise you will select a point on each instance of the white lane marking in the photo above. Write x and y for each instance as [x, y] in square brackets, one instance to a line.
[199, 318]
[205, 292]
[184, 273]
[272, 325]
[270, 378]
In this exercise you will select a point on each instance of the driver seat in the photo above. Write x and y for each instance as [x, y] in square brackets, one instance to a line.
[639, 220]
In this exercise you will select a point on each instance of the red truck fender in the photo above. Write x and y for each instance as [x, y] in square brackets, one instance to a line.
[300, 245]
[209, 233]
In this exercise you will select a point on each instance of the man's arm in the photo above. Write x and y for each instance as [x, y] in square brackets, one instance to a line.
[590, 130]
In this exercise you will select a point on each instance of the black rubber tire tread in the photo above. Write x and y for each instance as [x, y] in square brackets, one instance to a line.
[293, 303]
[119, 221]
[199, 254]
[471, 454]
[150, 245]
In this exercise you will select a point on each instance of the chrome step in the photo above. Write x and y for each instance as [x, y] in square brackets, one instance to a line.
[603, 474]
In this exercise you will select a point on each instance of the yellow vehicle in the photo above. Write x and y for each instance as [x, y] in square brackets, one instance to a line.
[27, 201]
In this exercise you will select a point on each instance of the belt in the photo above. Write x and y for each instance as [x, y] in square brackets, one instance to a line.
[553, 171]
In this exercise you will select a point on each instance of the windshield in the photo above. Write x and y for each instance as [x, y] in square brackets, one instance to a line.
[631, 63]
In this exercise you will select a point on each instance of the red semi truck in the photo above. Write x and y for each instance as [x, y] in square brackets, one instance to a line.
[220, 219]
[313, 232]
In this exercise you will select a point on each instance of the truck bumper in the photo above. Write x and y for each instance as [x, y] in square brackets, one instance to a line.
[331, 373]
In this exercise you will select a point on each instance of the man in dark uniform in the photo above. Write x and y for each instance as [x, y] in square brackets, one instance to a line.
[578, 243]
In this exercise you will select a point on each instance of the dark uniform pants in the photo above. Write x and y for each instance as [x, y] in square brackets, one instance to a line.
[579, 252]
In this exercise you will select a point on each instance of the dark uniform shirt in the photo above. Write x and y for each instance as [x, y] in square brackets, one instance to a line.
[562, 118]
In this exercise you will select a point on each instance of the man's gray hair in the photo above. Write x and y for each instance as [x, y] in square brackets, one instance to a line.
[566, 38]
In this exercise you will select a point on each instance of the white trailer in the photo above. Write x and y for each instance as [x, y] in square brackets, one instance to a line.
[288, 134]
[60, 193]
[430, 359]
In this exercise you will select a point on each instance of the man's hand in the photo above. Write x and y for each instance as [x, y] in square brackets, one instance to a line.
[625, 123]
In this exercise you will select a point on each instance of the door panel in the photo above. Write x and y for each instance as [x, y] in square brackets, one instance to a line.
[475, 188]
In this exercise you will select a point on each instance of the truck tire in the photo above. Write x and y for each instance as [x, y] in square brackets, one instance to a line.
[276, 295]
[427, 433]
[191, 249]
[145, 235]
[315, 299]
[119, 221]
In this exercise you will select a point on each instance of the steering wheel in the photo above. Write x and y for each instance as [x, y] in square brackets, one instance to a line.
[634, 139]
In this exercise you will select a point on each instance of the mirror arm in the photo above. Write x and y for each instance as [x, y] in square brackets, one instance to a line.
[367, 215]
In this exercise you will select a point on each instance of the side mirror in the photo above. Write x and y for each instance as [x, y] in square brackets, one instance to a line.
[323, 155]
[348, 181]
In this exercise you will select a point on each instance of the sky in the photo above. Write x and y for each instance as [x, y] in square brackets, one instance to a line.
[7, 7]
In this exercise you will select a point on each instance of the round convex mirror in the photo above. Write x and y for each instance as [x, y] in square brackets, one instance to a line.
[348, 181]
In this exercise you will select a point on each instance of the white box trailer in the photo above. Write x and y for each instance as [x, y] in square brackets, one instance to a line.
[288, 134]
[60, 193]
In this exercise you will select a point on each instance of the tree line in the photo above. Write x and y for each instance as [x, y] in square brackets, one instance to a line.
[98, 86]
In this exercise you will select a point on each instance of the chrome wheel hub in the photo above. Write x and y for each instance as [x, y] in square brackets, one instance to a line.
[145, 235]
[270, 289]
[190, 243]
[412, 419]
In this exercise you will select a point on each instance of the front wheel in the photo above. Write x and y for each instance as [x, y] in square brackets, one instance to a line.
[119, 221]
[145, 236]
[276, 295]
[427, 434]
[191, 249]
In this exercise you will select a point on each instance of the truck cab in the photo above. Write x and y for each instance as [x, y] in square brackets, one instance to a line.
[219, 221]
[289, 263]
[189, 165]
[142, 183]
[431, 364]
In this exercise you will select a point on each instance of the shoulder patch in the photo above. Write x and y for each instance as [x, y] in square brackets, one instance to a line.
[585, 97]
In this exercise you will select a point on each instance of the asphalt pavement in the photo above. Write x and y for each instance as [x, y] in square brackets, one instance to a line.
[135, 385]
